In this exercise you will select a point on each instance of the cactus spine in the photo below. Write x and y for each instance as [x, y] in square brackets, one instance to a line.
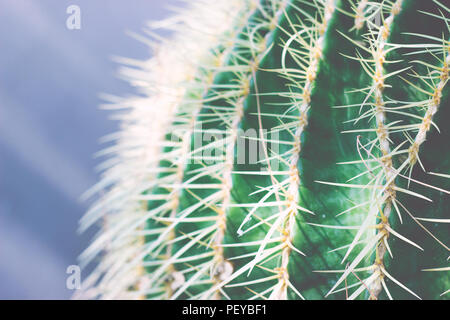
[273, 156]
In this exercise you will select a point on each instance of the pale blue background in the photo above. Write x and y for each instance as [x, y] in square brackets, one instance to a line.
[50, 124]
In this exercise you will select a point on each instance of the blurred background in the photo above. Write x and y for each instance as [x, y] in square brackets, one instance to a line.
[50, 125]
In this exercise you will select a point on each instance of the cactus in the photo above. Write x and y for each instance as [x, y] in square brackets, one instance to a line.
[280, 149]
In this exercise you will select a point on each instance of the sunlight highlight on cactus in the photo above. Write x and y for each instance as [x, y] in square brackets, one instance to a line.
[280, 149]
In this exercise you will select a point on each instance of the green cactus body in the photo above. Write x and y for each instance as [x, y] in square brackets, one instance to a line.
[294, 150]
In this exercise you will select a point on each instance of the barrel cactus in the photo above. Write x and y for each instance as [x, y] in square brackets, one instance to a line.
[280, 149]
